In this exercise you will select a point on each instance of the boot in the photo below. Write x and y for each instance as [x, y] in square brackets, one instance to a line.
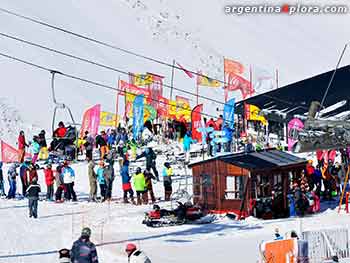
[139, 201]
[133, 200]
[126, 200]
[145, 198]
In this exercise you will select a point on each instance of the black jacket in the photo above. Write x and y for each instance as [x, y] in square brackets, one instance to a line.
[150, 157]
[83, 251]
[33, 191]
[100, 141]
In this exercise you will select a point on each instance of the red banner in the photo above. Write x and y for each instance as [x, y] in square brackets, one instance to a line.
[155, 89]
[91, 120]
[196, 117]
[163, 107]
[9, 154]
[130, 91]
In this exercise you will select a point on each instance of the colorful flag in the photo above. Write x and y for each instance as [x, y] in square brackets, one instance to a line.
[231, 66]
[252, 114]
[183, 108]
[229, 114]
[263, 80]
[91, 120]
[294, 126]
[150, 113]
[137, 125]
[206, 81]
[141, 79]
[196, 120]
[188, 73]
[163, 107]
[10, 154]
[155, 90]
[108, 119]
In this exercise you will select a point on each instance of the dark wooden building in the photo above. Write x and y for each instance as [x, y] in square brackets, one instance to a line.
[235, 182]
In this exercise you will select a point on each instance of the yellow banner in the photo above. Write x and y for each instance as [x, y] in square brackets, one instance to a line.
[253, 114]
[142, 79]
[108, 119]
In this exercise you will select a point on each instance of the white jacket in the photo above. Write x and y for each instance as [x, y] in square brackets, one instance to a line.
[139, 257]
[68, 175]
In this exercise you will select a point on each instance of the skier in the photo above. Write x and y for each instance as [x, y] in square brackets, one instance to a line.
[111, 139]
[151, 157]
[2, 189]
[83, 250]
[59, 183]
[89, 144]
[21, 146]
[32, 173]
[68, 180]
[35, 148]
[102, 143]
[135, 255]
[149, 187]
[64, 255]
[101, 180]
[228, 135]
[167, 173]
[139, 185]
[23, 174]
[92, 180]
[49, 180]
[109, 174]
[43, 154]
[33, 197]
[12, 181]
[187, 141]
[124, 172]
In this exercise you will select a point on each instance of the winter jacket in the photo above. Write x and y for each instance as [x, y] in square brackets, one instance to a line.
[167, 172]
[122, 137]
[91, 171]
[23, 172]
[21, 142]
[124, 172]
[139, 256]
[32, 173]
[60, 132]
[49, 178]
[111, 139]
[100, 175]
[89, 142]
[42, 140]
[35, 147]
[1, 173]
[108, 174]
[59, 175]
[139, 182]
[228, 133]
[83, 251]
[150, 157]
[68, 175]
[100, 141]
[33, 191]
[187, 143]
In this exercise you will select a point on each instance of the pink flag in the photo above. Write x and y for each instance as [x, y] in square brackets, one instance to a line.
[9, 154]
[294, 126]
[91, 120]
[188, 73]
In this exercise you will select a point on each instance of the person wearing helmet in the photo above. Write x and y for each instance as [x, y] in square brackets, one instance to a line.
[101, 179]
[43, 154]
[151, 157]
[21, 146]
[101, 142]
[12, 174]
[167, 181]
[83, 250]
[92, 180]
[23, 174]
[35, 148]
[126, 185]
[33, 197]
[136, 255]
[2, 189]
[139, 185]
[68, 176]
[49, 180]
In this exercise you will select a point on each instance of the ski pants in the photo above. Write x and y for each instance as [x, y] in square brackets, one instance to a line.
[12, 190]
[2, 189]
[69, 192]
[49, 193]
[24, 186]
[33, 207]
[154, 169]
[59, 192]
[103, 191]
[131, 193]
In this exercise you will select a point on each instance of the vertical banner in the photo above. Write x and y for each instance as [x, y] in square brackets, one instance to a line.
[294, 126]
[91, 120]
[137, 124]
[155, 88]
[196, 120]
[183, 108]
[229, 114]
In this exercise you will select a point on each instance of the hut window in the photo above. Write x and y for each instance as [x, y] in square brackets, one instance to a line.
[234, 187]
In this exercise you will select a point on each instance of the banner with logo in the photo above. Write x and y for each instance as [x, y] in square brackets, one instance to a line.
[91, 120]
[206, 81]
[108, 119]
[9, 154]
[183, 109]
[130, 92]
[196, 121]
[252, 114]
[163, 107]
[294, 126]
[229, 114]
[138, 106]
[142, 79]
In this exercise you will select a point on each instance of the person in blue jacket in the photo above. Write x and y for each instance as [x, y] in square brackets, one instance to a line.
[12, 174]
[101, 179]
[228, 135]
[187, 141]
[112, 138]
[124, 172]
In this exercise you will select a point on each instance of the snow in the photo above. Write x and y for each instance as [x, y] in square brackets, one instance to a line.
[114, 224]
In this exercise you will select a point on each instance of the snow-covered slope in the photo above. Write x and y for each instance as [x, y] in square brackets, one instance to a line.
[197, 35]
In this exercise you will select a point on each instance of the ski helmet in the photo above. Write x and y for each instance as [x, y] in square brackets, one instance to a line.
[86, 232]
[130, 247]
[138, 170]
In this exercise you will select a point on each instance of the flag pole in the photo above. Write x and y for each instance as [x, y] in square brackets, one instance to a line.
[172, 80]
[117, 105]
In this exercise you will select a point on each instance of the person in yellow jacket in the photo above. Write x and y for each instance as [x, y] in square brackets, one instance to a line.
[139, 185]
[167, 173]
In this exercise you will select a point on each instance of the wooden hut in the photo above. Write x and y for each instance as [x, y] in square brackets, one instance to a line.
[236, 182]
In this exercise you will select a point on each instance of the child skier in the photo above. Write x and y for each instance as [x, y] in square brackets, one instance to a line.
[12, 181]
[2, 189]
[33, 197]
[139, 185]
[59, 183]
[126, 182]
[49, 180]
[167, 173]
[35, 148]
[101, 180]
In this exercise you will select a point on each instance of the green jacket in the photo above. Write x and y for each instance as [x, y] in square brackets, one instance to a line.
[139, 182]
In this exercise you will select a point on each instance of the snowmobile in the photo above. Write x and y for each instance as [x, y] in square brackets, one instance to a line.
[184, 213]
[322, 134]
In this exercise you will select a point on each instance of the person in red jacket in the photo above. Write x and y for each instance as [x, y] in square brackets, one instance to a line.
[32, 173]
[60, 132]
[21, 146]
[49, 180]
